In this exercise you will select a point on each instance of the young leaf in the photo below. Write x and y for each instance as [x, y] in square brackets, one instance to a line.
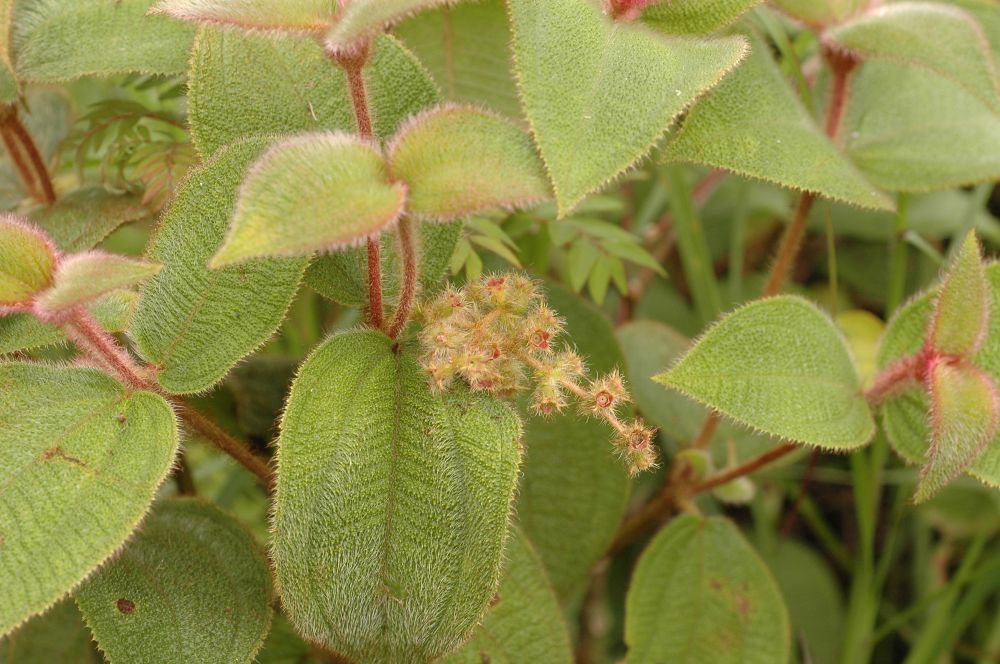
[363, 20]
[935, 36]
[700, 593]
[391, 505]
[780, 366]
[27, 260]
[58, 41]
[962, 309]
[596, 118]
[80, 462]
[965, 411]
[193, 323]
[305, 91]
[308, 193]
[457, 160]
[20, 332]
[84, 277]
[526, 623]
[754, 124]
[689, 17]
[81, 219]
[299, 16]
[57, 636]
[192, 586]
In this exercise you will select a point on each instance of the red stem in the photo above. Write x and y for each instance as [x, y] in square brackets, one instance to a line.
[231, 446]
[20, 164]
[408, 247]
[745, 469]
[788, 250]
[41, 170]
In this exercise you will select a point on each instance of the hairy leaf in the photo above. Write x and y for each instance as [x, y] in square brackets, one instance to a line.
[699, 594]
[363, 20]
[57, 636]
[305, 90]
[192, 586]
[21, 332]
[962, 309]
[55, 40]
[194, 323]
[9, 87]
[912, 130]
[27, 260]
[81, 219]
[574, 492]
[598, 95]
[526, 623]
[85, 277]
[465, 48]
[391, 505]
[80, 461]
[781, 366]
[754, 124]
[965, 411]
[680, 17]
[820, 12]
[456, 160]
[935, 36]
[308, 193]
[304, 16]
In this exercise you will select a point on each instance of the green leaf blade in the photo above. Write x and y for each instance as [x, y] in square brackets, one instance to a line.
[962, 310]
[362, 20]
[85, 277]
[692, 17]
[27, 261]
[299, 16]
[80, 219]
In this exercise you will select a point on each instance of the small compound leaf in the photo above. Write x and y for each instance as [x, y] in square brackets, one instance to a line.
[962, 310]
[780, 366]
[57, 636]
[465, 48]
[457, 160]
[194, 323]
[309, 193]
[392, 505]
[596, 118]
[755, 125]
[84, 277]
[56, 41]
[909, 129]
[305, 91]
[689, 17]
[965, 411]
[22, 332]
[300, 16]
[80, 462]
[363, 20]
[700, 593]
[27, 260]
[81, 219]
[192, 586]
[525, 624]
[939, 37]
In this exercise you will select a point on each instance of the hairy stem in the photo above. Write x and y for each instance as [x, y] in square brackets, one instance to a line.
[894, 378]
[750, 466]
[408, 247]
[791, 242]
[41, 171]
[231, 446]
[21, 165]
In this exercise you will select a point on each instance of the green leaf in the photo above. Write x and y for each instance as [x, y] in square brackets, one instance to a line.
[192, 586]
[85, 277]
[193, 323]
[781, 366]
[754, 124]
[574, 492]
[9, 87]
[305, 90]
[700, 593]
[465, 48]
[962, 310]
[21, 332]
[308, 193]
[57, 636]
[965, 411]
[820, 12]
[599, 94]
[300, 16]
[526, 624]
[58, 41]
[27, 261]
[905, 416]
[363, 20]
[80, 461]
[682, 17]
[81, 219]
[580, 261]
[912, 130]
[457, 160]
[939, 37]
[391, 505]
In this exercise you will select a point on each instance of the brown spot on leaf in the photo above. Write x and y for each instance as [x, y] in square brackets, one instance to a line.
[715, 585]
[59, 453]
[125, 606]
